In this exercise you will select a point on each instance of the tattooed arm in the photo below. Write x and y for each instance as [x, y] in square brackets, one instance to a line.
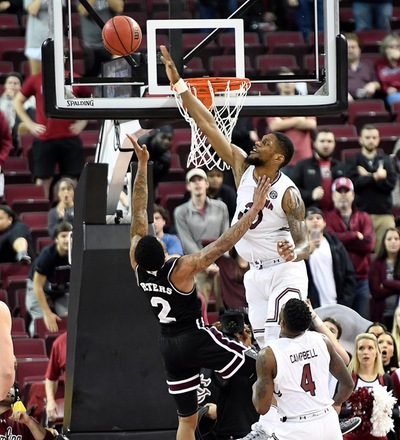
[263, 389]
[293, 206]
[139, 225]
[190, 265]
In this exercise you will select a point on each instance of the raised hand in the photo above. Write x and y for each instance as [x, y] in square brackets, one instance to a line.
[261, 193]
[170, 67]
[141, 151]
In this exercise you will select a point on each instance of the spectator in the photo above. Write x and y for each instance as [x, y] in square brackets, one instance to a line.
[37, 30]
[12, 85]
[305, 16]
[218, 190]
[158, 144]
[355, 230]
[372, 14]
[373, 176]
[362, 79]
[64, 209]
[377, 329]
[387, 347]
[232, 268]
[7, 372]
[200, 219]
[298, 128]
[367, 371]
[384, 278]
[331, 276]
[314, 176]
[56, 140]
[94, 51]
[388, 69]
[19, 425]
[15, 238]
[172, 243]
[55, 371]
[47, 286]
[5, 148]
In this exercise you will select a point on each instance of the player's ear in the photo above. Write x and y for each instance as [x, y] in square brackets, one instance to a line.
[279, 158]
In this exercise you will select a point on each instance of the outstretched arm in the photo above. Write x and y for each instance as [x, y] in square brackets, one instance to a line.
[139, 225]
[189, 265]
[229, 153]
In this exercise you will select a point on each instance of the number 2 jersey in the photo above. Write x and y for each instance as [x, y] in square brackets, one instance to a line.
[176, 311]
[270, 225]
[301, 384]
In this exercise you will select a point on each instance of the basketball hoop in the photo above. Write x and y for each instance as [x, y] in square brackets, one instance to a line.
[207, 89]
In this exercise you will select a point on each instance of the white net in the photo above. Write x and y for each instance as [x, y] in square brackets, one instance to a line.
[201, 152]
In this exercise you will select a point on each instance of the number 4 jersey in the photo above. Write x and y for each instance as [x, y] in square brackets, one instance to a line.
[301, 383]
[176, 311]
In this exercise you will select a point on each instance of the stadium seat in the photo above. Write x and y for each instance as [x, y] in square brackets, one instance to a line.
[29, 370]
[30, 348]
[252, 44]
[165, 189]
[26, 197]
[371, 39]
[225, 65]
[270, 64]
[37, 223]
[16, 170]
[194, 68]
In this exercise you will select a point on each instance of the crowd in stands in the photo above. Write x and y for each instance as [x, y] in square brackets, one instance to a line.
[349, 183]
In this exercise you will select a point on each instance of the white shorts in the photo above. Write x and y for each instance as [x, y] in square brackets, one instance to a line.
[325, 427]
[268, 289]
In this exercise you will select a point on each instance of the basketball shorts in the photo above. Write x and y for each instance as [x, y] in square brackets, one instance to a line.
[185, 354]
[268, 289]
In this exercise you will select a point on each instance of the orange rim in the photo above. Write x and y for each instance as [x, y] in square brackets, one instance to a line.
[219, 85]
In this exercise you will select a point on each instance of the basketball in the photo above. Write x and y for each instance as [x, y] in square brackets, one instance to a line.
[122, 35]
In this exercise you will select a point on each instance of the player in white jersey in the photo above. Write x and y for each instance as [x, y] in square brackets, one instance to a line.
[295, 368]
[277, 242]
[278, 237]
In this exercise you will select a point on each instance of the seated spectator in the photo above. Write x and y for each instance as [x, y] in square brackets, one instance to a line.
[362, 79]
[314, 176]
[172, 243]
[384, 278]
[331, 276]
[15, 238]
[12, 85]
[388, 349]
[298, 128]
[47, 287]
[388, 69]
[64, 210]
[55, 372]
[19, 425]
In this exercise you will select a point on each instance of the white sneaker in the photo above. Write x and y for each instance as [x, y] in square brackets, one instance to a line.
[257, 433]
